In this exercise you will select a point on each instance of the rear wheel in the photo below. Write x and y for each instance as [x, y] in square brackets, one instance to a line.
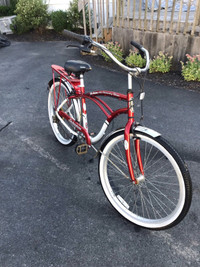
[159, 201]
[71, 107]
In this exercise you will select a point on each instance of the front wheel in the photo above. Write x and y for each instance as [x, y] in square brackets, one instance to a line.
[162, 198]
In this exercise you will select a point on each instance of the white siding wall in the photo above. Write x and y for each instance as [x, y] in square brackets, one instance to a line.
[54, 5]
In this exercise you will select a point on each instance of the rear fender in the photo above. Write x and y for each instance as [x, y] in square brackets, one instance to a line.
[57, 79]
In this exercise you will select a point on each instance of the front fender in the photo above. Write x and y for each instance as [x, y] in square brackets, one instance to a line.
[138, 128]
[146, 130]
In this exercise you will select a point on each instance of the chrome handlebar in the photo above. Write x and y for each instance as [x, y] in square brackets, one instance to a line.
[87, 42]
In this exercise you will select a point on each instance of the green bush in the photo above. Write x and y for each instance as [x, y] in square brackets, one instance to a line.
[135, 59]
[75, 18]
[115, 49]
[31, 14]
[161, 63]
[6, 11]
[191, 70]
[59, 20]
[13, 4]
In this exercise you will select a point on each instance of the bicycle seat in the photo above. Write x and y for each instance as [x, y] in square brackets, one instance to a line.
[77, 66]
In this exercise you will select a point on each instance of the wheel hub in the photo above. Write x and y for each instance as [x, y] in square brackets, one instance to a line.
[140, 179]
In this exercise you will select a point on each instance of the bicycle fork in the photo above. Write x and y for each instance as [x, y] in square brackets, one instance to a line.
[128, 128]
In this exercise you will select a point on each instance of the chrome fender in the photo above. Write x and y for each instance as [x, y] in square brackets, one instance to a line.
[138, 128]
[146, 130]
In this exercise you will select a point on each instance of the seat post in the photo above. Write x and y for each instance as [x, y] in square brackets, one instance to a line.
[130, 84]
[82, 86]
[83, 102]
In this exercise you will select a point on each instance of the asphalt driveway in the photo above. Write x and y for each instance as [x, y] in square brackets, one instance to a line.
[52, 209]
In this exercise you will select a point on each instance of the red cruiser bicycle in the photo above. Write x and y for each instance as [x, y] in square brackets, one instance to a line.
[142, 176]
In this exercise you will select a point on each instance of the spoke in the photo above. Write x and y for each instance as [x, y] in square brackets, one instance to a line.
[115, 168]
[164, 183]
[161, 193]
[135, 201]
[156, 192]
[165, 172]
[159, 202]
[155, 163]
[134, 159]
[119, 179]
[114, 165]
[123, 188]
[121, 161]
[163, 176]
[146, 160]
[143, 203]
[128, 192]
[120, 151]
[154, 211]
[169, 189]
[146, 165]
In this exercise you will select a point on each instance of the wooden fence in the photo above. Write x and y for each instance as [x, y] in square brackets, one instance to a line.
[169, 16]
[4, 2]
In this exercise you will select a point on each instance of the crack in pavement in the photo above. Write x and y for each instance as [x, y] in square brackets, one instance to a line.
[5, 126]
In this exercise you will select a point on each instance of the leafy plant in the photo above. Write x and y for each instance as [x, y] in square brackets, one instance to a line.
[13, 4]
[31, 14]
[191, 70]
[8, 10]
[75, 18]
[135, 59]
[161, 63]
[5, 11]
[59, 20]
[115, 49]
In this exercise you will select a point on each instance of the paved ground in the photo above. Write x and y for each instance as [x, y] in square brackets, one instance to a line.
[53, 211]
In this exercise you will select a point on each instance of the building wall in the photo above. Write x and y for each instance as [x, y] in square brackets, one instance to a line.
[54, 5]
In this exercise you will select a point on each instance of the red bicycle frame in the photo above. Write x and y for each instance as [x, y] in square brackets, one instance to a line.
[79, 93]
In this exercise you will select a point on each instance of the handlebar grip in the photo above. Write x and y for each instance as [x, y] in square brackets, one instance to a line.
[83, 39]
[138, 46]
[72, 35]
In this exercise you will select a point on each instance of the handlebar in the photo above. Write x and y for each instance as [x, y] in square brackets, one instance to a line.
[88, 43]
[78, 37]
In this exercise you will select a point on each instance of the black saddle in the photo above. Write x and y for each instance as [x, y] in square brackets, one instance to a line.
[77, 67]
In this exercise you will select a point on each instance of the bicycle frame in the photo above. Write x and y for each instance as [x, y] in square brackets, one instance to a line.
[79, 93]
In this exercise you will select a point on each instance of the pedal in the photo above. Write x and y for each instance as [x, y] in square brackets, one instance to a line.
[82, 149]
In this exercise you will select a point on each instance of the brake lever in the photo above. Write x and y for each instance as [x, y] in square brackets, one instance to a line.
[73, 45]
[83, 48]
